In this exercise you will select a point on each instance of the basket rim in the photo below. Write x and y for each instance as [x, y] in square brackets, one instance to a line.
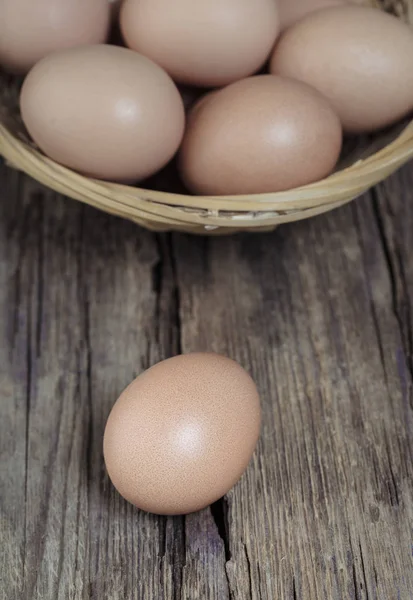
[364, 172]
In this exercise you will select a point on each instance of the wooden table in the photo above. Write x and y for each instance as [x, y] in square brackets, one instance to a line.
[320, 313]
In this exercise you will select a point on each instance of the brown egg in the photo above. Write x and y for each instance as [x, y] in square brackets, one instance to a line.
[32, 29]
[205, 42]
[262, 134]
[104, 111]
[360, 58]
[292, 11]
[181, 435]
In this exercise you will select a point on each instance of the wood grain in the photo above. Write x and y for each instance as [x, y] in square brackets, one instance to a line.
[320, 313]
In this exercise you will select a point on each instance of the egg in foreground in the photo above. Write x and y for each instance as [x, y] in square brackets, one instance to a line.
[182, 434]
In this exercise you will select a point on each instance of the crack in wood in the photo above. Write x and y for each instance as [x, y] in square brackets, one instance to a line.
[295, 596]
[39, 202]
[219, 511]
[166, 289]
[363, 568]
[85, 364]
[87, 349]
[374, 315]
[32, 351]
[392, 483]
[355, 582]
[176, 292]
[261, 595]
[27, 439]
[399, 288]
[60, 564]
[162, 537]
[158, 273]
[249, 568]
[184, 553]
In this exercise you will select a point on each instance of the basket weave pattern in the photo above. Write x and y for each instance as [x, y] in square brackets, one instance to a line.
[365, 161]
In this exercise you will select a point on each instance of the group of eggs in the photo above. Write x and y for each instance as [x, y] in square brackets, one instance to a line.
[324, 67]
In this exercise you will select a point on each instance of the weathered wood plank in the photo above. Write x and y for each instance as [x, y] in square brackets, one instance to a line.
[87, 302]
[41, 368]
[323, 324]
[319, 312]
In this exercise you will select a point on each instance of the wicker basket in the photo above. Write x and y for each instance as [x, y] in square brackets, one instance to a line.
[365, 161]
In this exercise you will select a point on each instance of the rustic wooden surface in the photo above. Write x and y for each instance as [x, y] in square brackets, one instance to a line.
[320, 313]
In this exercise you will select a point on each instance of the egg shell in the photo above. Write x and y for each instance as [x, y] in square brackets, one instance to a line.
[360, 58]
[181, 435]
[32, 29]
[205, 43]
[291, 11]
[262, 134]
[104, 111]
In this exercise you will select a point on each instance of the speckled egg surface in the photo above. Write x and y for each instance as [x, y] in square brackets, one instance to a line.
[181, 435]
[261, 134]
